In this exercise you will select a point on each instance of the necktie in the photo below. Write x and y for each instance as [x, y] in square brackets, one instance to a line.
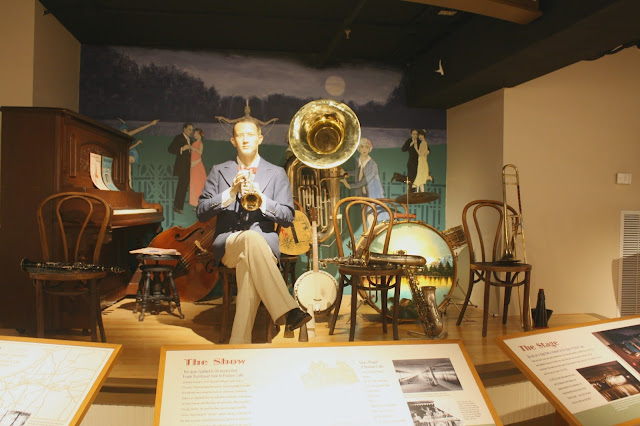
[253, 170]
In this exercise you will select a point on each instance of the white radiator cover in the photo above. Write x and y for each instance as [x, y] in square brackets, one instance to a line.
[629, 274]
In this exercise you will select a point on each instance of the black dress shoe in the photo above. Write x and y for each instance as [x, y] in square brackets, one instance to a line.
[296, 318]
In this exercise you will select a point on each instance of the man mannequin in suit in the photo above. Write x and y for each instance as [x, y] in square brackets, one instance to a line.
[181, 148]
[246, 240]
[411, 146]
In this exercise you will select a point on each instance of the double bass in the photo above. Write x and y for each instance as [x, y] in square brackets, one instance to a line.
[195, 273]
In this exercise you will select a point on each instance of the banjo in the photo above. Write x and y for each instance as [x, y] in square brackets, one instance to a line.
[315, 290]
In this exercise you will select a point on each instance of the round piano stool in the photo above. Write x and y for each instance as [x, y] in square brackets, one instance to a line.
[157, 285]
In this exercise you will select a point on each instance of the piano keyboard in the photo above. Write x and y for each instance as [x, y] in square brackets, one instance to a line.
[133, 211]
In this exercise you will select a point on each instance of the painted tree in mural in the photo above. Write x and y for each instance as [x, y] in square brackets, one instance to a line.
[115, 86]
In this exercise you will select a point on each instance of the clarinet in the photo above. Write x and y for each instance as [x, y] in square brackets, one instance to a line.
[77, 266]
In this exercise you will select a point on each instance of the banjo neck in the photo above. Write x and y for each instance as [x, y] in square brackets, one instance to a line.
[314, 239]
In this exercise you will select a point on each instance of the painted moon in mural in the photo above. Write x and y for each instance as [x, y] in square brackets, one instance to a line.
[334, 85]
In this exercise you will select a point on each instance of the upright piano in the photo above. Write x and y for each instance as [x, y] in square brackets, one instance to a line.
[45, 151]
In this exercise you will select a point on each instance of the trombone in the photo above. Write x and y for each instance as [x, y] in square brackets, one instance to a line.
[513, 223]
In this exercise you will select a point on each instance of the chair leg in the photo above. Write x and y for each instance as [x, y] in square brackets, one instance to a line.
[39, 308]
[396, 308]
[334, 315]
[269, 324]
[354, 308]
[467, 298]
[485, 313]
[526, 314]
[226, 295]
[384, 304]
[507, 300]
[99, 319]
[93, 296]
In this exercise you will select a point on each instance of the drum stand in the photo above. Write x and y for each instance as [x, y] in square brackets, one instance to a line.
[450, 300]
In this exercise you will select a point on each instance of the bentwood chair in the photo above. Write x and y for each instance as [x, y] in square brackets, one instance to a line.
[73, 228]
[379, 278]
[483, 224]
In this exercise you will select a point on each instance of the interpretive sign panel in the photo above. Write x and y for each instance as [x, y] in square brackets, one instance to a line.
[413, 382]
[590, 373]
[50, 382]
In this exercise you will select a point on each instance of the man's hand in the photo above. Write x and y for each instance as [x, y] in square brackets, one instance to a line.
[241, 178]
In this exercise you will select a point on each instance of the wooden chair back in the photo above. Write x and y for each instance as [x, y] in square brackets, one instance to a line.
[483, 224]
[73, 227]
[368, 207]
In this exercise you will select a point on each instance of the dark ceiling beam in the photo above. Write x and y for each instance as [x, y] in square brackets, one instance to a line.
[340, 35]
[518, 11]
[476, 67]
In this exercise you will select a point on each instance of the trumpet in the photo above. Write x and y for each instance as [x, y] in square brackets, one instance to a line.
[250, 197]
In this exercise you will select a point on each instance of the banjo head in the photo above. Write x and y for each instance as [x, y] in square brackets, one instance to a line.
[316, 290]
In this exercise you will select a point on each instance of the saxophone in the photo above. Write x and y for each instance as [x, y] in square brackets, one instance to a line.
[424, 299]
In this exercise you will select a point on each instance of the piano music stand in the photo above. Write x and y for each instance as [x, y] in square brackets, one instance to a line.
[153, 289]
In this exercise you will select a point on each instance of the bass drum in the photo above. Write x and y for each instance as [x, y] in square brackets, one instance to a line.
[416, 238]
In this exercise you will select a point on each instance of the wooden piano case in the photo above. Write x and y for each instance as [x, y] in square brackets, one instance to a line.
[45, 151]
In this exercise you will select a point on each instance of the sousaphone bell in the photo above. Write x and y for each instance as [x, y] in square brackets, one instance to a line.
[324, 134]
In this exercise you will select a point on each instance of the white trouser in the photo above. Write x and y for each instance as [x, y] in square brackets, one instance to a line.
[258, 278]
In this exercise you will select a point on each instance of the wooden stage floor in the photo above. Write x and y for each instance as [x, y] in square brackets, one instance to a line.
[142, 340]
[136, 370]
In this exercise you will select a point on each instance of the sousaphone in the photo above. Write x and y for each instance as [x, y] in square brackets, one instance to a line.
[323, 134]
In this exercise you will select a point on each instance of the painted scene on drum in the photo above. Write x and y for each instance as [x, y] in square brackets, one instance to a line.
[418, 238]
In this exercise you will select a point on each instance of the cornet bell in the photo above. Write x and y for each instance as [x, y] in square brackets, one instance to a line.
[324, 133]
[251, 201]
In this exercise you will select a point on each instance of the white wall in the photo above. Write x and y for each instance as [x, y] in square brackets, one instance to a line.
[474, 168]
[16, 52]
[569, 133]
[39, 58]
[56, 63]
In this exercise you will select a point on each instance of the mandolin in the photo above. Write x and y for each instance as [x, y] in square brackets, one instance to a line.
[315, 290]
[296, 239]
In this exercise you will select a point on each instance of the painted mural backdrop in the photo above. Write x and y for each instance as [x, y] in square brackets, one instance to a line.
[152, 93]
